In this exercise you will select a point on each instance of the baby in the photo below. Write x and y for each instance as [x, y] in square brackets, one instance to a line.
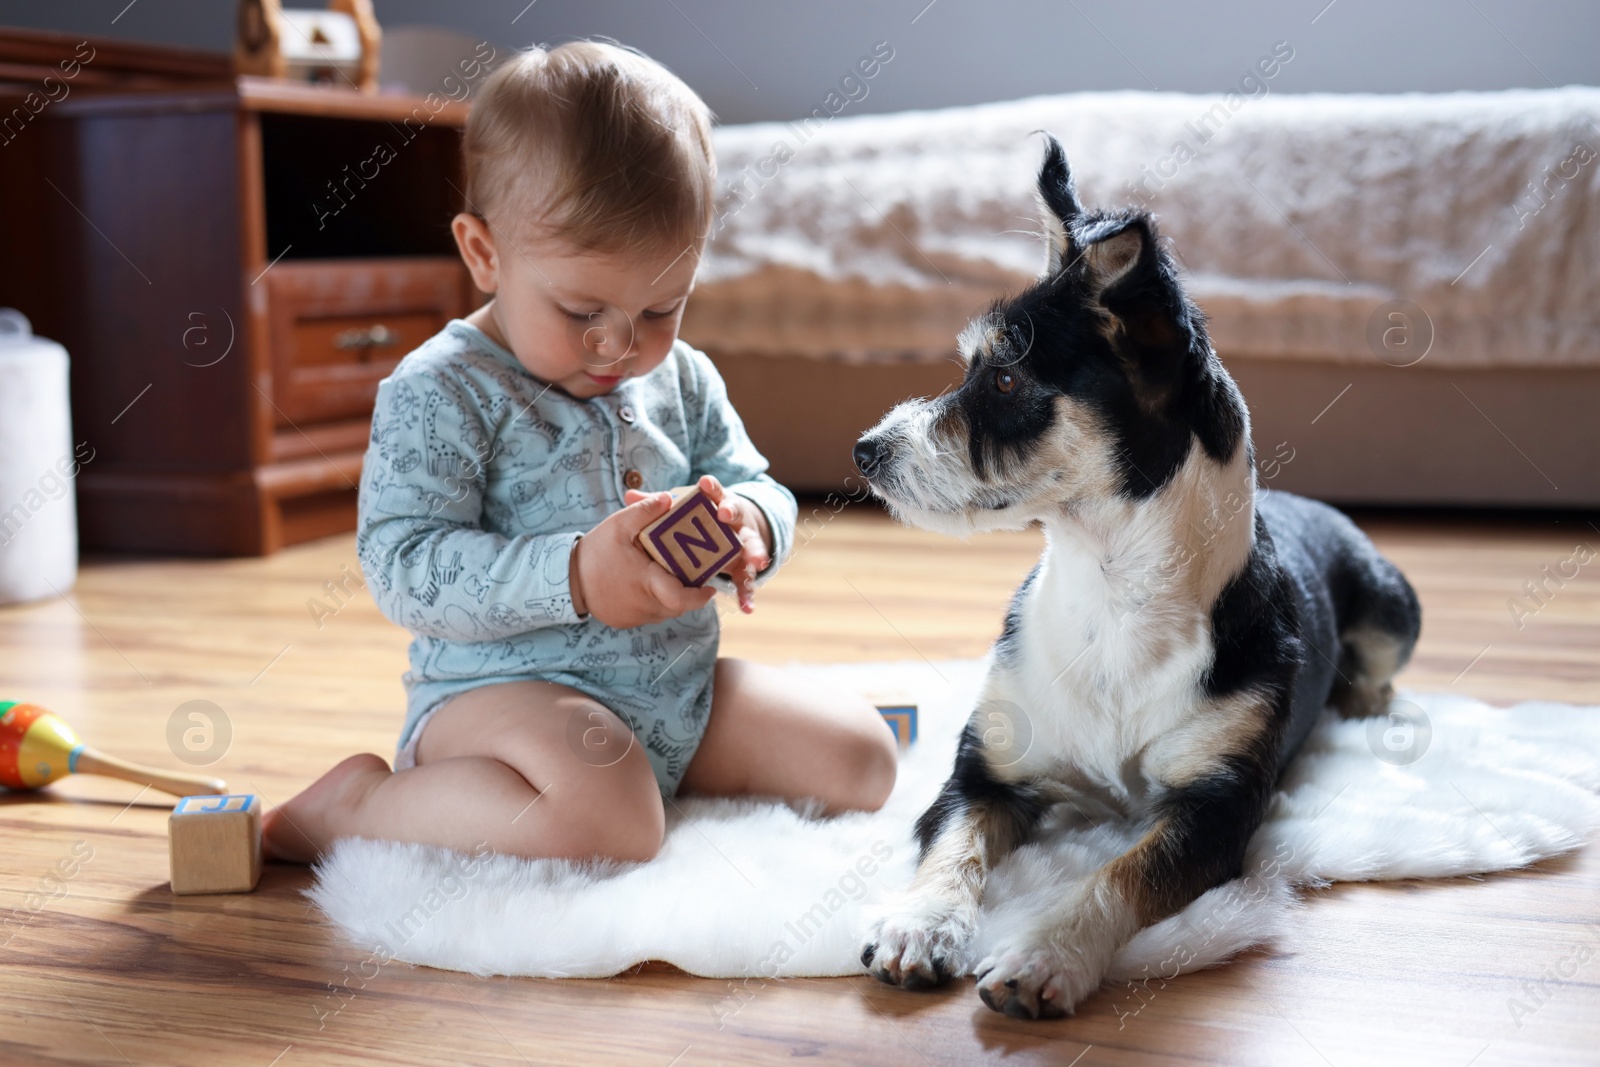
[563, 685]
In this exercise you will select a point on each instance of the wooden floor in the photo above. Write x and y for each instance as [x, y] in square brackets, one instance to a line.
[101, 964]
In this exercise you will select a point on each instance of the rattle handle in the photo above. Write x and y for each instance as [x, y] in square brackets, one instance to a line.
[91, 761]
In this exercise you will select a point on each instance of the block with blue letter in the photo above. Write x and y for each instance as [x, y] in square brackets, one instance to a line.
[689, 540]
[214, 843]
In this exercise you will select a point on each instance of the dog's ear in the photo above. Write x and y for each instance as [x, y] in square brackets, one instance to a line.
[1149, 322]
[1059, 199]
[1114, 250]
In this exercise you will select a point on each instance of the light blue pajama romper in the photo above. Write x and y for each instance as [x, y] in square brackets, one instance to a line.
[479, 479]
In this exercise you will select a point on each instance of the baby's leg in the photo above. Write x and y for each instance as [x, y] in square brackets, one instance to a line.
[532, 768]
[776, 733]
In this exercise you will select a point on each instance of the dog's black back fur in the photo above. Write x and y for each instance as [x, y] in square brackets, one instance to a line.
[1342, 588]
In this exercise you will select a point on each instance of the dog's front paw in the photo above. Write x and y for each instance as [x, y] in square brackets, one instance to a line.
[1036, 982]
[913, 951]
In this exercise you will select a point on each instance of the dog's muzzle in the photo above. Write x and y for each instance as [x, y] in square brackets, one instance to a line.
[869, 455]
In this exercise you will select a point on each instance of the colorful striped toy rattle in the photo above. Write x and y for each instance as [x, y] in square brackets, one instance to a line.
[37, 747]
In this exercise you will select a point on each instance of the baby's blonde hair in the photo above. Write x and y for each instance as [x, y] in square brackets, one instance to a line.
[594, 144]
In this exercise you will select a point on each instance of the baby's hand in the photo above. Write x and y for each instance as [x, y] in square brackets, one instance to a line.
[614, 580]
[748, 521]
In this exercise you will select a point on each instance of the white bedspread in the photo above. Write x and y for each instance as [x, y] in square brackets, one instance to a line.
[1297, 218]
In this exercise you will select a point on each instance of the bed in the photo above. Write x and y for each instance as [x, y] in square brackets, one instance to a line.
[1406, 287]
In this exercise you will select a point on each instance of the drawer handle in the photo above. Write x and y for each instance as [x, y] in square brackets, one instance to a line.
[378, 336]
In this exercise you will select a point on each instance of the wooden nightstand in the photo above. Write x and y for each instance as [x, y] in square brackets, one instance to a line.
[233, 269]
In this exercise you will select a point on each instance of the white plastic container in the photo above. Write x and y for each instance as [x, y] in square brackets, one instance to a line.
[38, 465]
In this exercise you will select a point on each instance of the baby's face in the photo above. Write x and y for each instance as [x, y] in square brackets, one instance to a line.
[584, 320]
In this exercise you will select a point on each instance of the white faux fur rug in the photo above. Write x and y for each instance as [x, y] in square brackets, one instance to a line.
[745, 887]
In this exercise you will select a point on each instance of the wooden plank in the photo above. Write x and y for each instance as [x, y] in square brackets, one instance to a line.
[270, 94]
[114, 61]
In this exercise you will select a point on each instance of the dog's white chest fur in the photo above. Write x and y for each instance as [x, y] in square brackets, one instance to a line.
[1113, 638]
[1107, 671]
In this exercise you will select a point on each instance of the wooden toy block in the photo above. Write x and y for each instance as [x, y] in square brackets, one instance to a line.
[215, 844]
[901, 715]
[689, 540]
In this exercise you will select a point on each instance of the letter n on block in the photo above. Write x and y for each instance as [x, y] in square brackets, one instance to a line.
[689, 540]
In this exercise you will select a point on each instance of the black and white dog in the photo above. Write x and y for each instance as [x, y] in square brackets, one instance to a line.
[1176, 641]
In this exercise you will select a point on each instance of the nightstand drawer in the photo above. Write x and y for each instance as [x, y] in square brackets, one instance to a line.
[338, 327]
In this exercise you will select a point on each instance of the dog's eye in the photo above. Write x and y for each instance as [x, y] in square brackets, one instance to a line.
[1004, 381]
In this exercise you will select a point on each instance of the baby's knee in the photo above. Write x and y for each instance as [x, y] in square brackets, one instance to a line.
[595, 827]
[620, 816]
[870, 761]
[636, 834]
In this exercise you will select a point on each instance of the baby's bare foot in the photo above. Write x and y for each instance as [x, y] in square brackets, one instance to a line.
[302, 829]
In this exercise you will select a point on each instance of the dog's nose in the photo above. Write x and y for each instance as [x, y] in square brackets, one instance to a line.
[868, 453]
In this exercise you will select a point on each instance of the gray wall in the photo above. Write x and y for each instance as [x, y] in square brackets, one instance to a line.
[754, 59]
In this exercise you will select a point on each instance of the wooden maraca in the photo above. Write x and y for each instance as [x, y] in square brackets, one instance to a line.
[37, 747]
